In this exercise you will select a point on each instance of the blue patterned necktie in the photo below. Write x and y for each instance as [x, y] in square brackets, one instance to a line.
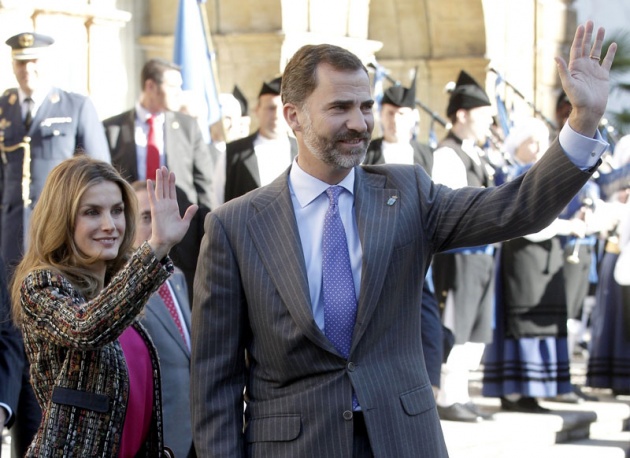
[340, 302]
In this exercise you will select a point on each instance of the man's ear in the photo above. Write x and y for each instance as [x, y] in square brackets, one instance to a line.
[290, 113]
[462, 115]
[150, 85]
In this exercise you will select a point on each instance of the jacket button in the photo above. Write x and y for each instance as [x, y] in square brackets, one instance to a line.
[347, 415]
[351, 366]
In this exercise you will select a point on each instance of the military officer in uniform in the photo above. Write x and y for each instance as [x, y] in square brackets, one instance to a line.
[40, 126]
[58, 125]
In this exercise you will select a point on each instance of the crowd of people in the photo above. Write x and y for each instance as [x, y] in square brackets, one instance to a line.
[303, 290]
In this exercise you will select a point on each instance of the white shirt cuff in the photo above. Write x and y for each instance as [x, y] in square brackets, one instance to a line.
[584, 152]
[9, 413]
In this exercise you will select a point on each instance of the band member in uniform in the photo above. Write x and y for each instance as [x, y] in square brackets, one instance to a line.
[464, 277]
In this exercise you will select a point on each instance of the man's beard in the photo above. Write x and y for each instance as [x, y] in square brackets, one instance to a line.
[326, 151]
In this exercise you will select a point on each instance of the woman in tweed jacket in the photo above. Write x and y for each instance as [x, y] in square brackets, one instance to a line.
[77, 294]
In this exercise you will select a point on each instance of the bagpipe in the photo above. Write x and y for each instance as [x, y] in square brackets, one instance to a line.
[606, 129]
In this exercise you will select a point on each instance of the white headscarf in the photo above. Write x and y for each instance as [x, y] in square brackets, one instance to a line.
[526, 128]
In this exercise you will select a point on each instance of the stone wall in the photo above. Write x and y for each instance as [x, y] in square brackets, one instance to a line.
[102, 44]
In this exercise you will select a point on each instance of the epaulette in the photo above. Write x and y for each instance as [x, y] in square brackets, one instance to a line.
[10, 91]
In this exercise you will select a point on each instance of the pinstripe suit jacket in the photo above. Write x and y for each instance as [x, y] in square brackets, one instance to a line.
[253, 325]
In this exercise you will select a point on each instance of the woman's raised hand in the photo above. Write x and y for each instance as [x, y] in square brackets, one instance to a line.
[168, 227]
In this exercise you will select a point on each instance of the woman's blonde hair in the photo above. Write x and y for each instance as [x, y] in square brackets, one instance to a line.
[51, 242]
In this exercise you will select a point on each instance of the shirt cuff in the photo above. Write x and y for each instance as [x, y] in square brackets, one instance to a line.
[9, 414]
[584, 152]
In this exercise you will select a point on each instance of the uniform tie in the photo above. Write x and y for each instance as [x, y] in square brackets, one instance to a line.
[28, 118]
[153, 154]
[340, 302]
[167, 297]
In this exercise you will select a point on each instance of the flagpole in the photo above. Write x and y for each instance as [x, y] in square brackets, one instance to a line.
[212, 55]
[549, 122]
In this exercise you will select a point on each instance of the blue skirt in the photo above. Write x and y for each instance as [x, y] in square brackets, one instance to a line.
[529, 366]
[609, 359]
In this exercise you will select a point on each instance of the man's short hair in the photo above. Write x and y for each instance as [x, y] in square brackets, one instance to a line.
[154, 70]
[299, 78]
[139, 185]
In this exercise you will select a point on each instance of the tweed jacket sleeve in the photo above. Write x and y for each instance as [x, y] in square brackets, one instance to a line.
[57, 312]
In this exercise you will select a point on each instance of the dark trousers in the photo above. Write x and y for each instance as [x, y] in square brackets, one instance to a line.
[27, 418]
[361, 443]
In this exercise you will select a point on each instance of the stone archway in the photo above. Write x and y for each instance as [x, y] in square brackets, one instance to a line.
[439, 37]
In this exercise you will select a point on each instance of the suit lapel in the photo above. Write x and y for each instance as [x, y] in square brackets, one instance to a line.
[376, 220]
[156, 306]
[172, 134]
[177, 283]
[250, 162]
[125, 154]
[282, 255]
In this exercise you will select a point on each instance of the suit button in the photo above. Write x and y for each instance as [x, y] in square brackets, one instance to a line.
[351, 366]
[347, 415]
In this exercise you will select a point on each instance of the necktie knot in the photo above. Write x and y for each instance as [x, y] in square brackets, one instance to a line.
[333, 194]
[150, 120]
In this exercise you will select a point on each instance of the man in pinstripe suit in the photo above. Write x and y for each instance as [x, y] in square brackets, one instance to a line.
[258, 321]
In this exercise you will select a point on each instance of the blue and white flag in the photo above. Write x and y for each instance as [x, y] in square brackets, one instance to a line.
[193, 55]
[502, 113]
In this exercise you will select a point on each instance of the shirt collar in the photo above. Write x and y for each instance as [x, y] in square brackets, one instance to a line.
[37, 97]
[143, 114]
[307, 188]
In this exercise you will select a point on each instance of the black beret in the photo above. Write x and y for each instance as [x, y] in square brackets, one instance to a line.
[28, 45]
[401, 96]
[467, 94]
[271, 87]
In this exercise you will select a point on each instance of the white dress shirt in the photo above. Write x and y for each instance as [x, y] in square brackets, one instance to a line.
[141, 133]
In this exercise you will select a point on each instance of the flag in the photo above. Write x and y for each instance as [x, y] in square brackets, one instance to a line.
[504, 119]
[379, 77]
[192, 53]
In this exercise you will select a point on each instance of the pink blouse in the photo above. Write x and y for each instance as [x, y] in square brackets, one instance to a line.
[140, 402]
